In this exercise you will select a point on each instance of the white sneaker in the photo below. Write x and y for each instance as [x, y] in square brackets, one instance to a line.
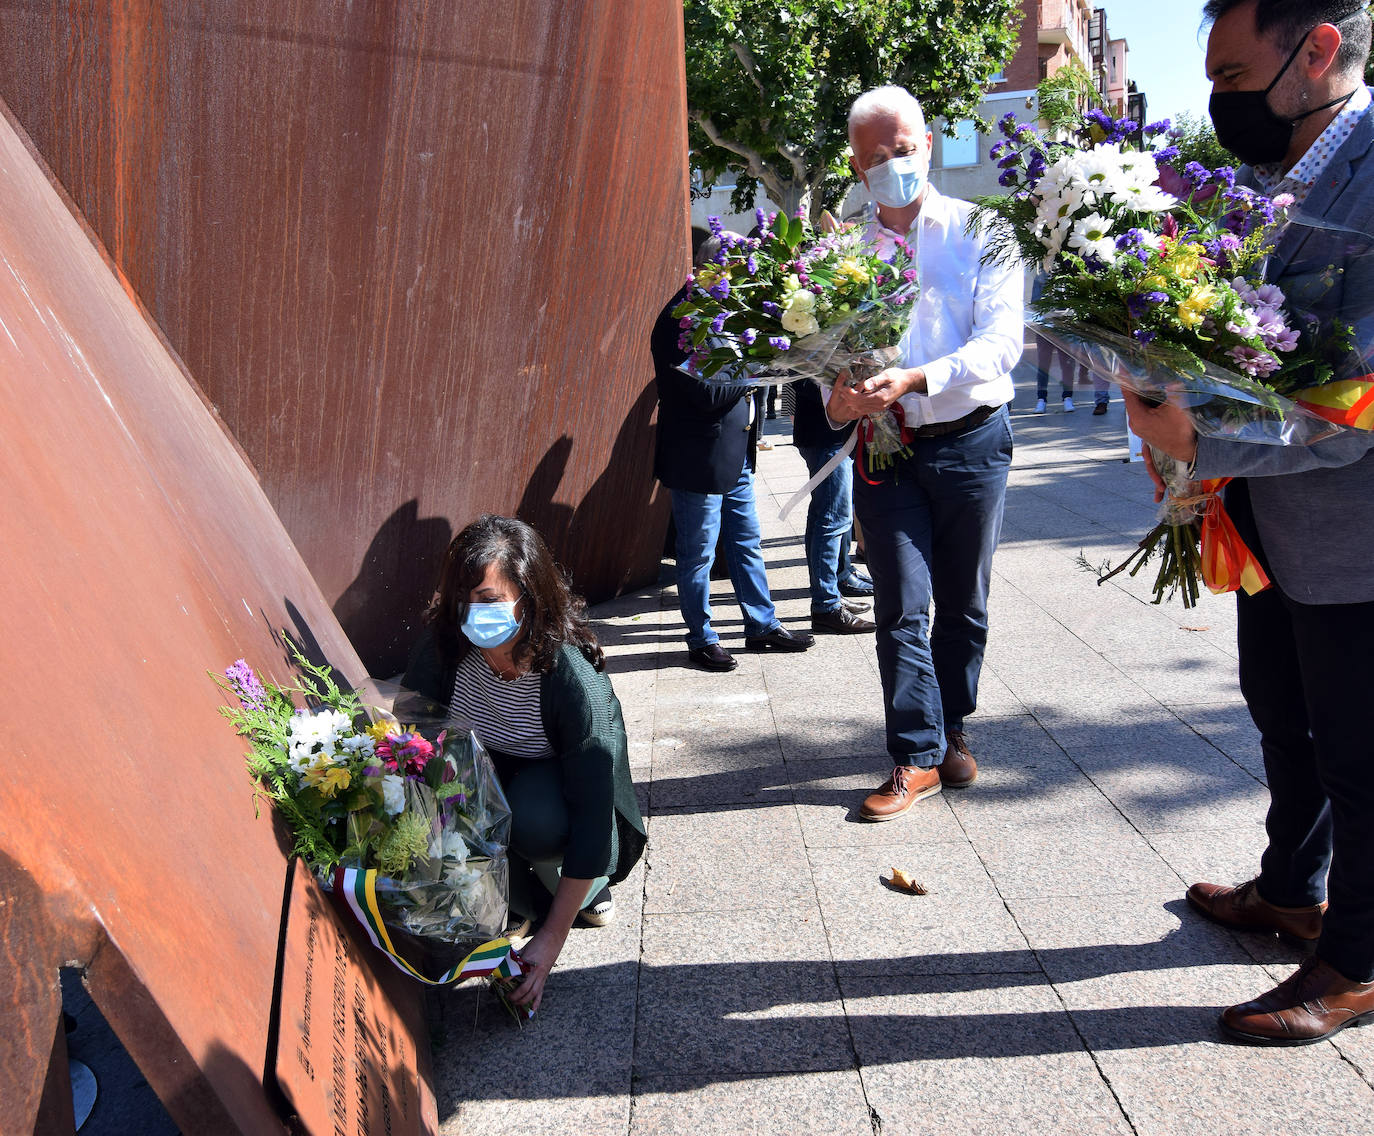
[1039, 406]
[1068, 404]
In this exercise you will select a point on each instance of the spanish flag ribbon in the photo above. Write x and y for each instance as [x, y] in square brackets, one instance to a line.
[1227, 564]
[1346, 402]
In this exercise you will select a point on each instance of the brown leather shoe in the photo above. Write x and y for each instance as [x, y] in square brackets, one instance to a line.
[1243, 908]
[1310, 1005]
[907, 785]
[958, 770]
[841, 621]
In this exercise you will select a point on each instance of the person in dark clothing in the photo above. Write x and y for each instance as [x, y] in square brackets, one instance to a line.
[704, 454]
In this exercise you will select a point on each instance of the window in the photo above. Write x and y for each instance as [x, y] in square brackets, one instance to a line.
[962, 149]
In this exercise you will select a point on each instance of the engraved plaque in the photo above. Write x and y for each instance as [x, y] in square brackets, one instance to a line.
[346, 1056]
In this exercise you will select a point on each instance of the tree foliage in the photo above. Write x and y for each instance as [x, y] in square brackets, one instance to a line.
[769, 82]
[1197, 142]
[1065, 95]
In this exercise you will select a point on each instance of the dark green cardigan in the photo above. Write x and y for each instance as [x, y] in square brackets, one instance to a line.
[582, 719]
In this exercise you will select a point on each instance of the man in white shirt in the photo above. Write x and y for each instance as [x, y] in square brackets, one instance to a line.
[932, 520]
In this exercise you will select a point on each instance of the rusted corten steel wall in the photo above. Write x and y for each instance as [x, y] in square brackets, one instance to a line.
[139, 551]
[411, 251]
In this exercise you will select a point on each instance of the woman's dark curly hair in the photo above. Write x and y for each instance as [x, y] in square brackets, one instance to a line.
[553, 614]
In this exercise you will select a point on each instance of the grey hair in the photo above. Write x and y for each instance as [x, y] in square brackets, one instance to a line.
[885, 102]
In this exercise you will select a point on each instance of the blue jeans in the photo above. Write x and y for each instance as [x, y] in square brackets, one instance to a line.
[829, 518]
[930, 527]
[700, 518]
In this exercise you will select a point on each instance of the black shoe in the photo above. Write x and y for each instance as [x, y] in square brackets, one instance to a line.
[855, 607]
[1099, 408]
[841, 621]
[779, 639]
[712, 657]
[856, 585]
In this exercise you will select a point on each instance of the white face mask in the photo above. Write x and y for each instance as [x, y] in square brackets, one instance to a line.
[897, 182]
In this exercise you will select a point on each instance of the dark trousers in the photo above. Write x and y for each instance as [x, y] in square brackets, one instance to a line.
[1305, 672]
[930, 527]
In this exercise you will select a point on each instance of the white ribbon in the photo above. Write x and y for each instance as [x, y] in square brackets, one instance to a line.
[821, 474]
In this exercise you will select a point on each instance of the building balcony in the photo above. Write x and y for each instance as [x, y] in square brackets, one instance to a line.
[1066, 22]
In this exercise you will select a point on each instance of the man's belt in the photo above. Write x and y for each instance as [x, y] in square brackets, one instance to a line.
[959, 425]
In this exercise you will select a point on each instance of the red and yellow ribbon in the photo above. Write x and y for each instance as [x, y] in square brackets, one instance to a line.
[1227, 564]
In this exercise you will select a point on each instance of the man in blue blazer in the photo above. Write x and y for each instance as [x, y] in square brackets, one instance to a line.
[705, 456]
[1288, 97]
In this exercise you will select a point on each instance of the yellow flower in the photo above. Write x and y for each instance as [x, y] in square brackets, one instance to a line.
[328, 779]
[1199, 302]
[1185, 260]
[379, 729]
[1155, 283]
[852, 268]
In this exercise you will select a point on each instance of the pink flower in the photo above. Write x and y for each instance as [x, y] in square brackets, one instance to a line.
[405, 753]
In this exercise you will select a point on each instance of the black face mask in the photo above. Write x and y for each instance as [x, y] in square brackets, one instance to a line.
[1247, 126]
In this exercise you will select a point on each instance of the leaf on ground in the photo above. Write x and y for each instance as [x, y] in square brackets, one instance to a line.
[903, 881]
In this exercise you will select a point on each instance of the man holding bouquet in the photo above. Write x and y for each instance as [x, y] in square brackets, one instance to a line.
[932, 520]
[1288, 98]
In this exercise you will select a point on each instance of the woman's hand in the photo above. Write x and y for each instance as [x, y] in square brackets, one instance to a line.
[542, 951]
[536, 961]
[874, 394]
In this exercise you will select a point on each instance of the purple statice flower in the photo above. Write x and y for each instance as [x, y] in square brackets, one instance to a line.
[718, 324]
[1159, 127]
[760, 219]
[1007, 124]
[1007, 178]
[685, 322]
[1224, 175]
[752, 265]
[1035, 166]
[910, 275]
[1197, 173]
[252, 695]
[771, 309]
[747, 336]
[1167, 154]
[1143, 335]
[721, 255]
[373, 770]
[720, 290]
[779, 342]
[1157, 297]
[1024, 128]
[717, 225]
[997, 149]
[684, 341]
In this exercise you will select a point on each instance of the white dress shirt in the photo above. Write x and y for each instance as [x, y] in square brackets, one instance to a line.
[967, 331]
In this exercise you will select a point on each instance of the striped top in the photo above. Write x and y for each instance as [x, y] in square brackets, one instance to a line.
[504, 714]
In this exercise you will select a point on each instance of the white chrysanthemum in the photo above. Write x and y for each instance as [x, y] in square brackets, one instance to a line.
[455, 847]
[358, 745]
[1092, 236]
[800, 324]
[393, 793]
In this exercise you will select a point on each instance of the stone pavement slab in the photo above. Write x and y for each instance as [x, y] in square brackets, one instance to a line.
[759, 977]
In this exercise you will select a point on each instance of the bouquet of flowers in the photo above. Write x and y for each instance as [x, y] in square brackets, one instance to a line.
[790, 304]
[1154, 280]
[412, 833]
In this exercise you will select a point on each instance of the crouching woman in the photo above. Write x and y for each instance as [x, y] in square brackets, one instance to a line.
[507, 647]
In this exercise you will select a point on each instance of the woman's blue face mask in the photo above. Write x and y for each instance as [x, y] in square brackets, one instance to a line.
[491, 624]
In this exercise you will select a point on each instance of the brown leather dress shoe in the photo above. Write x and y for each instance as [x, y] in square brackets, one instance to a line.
[907, 785]
[1310, 1005]
[1243, 908]
[958, 770]
[841, 621]
[712, 657]
[779, 639]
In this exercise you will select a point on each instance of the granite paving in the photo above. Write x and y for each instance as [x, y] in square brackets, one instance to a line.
[762, 977]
